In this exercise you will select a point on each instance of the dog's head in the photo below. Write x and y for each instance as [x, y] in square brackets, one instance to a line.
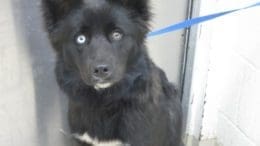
[99, 39]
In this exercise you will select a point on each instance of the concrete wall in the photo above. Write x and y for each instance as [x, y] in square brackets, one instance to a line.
[227, 70]
[32, 108]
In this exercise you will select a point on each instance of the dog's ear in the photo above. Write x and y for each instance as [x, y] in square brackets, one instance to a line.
[139, 8]
[54, 10]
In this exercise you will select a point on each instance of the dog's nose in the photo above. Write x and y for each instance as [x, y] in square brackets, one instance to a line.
[102, 71]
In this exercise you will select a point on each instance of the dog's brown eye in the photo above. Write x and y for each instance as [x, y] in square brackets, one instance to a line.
[81, 39]
[117, 35]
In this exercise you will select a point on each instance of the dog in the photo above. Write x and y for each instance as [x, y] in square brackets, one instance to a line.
[117, 95]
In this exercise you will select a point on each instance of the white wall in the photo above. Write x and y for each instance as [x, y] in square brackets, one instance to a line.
[14, 71]
[31, 106]
[230, 48]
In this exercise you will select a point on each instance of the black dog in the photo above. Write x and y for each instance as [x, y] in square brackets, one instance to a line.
[117, 96]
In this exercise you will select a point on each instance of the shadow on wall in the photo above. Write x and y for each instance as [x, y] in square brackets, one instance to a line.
[50, 103]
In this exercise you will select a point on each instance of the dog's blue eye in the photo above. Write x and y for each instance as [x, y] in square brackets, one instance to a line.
[116, 35]
[81, 39]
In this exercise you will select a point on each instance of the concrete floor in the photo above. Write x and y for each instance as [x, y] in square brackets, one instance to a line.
[211, 142]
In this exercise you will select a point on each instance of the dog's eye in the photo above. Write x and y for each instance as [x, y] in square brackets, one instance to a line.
[116, 35]
[81, 39]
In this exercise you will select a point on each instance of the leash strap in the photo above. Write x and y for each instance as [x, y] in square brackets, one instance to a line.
[197, 20]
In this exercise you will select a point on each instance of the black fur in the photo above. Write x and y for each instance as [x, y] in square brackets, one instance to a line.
[141, 107]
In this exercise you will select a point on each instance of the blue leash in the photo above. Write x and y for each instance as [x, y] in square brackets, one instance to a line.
[193, 21]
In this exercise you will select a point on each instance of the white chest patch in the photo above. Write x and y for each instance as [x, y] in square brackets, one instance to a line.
[95, 142]
[94, 3]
